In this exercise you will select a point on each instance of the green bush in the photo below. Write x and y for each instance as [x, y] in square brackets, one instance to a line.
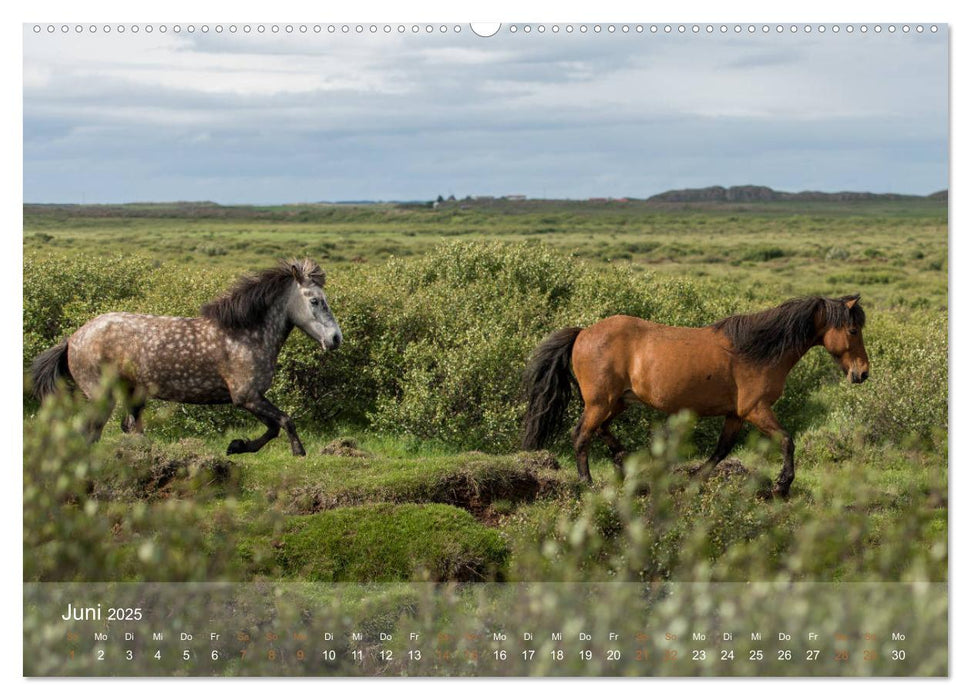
[435, 345]
[763, 253]
[60, 294]
[660, 524]
[453, 350]
[79, 522]
[906, 395]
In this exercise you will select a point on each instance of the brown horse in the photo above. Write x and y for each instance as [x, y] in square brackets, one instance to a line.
[226, 355]
[736, 367]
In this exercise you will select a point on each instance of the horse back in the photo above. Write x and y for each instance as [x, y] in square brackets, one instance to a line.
[671, 368]
[174, 358]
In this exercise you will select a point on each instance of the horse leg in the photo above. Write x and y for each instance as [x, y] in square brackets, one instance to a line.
[593, 417]
[730, 431]
[133, 401]
[132, 423]
[99, 416]
[274, 419]
[617, 452]
[764, 419]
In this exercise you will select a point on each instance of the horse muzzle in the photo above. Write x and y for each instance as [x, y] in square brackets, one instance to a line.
[332, 343]
[857, 377]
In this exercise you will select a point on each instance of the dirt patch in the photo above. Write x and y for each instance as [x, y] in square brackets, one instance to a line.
[488, 516]
[138, 469]
[731, 467]
[474, 485]
[475, 491]
[343, 447]
[936, 498]
[304, 500]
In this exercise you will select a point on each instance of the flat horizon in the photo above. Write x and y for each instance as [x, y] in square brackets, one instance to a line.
[617, 198]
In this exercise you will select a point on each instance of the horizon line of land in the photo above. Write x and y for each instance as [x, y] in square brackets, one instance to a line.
[713, 194]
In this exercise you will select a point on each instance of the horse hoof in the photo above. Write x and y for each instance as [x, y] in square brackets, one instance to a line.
[779, 491]
[299, 452]
[236, 447]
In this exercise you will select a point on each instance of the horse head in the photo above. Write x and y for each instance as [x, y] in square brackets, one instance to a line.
[307, 306]
[842, 336]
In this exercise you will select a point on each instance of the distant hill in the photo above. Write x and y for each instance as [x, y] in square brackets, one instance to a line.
[759, 193]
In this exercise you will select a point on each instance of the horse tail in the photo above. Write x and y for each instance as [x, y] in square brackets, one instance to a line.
[548, 383]
[47, 368]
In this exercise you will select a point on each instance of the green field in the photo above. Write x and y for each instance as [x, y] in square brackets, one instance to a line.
[892, 251]
[440, 308]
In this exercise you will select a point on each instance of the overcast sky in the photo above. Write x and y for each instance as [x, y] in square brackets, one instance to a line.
[326, 117]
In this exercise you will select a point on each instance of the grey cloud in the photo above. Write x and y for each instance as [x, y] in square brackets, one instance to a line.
[765, 58]
[555, 116]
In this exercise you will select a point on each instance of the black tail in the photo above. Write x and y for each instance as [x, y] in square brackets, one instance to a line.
[47, 368]
[548, 383]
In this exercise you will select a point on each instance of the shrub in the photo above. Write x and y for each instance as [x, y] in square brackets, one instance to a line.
[435, 345]
[74, 530]
[660, 524]
[763, 253]
[61, 293]
[211, 250]
[906, 394]
[453, 350]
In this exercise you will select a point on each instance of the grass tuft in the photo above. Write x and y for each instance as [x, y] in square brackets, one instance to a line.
[388, 542]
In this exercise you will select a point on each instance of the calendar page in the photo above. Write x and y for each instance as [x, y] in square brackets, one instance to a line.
[420, 349]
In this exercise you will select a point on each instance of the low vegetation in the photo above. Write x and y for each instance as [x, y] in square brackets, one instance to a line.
[412, 427]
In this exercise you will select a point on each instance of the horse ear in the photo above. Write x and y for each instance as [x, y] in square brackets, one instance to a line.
[851, 302]
[296, 272]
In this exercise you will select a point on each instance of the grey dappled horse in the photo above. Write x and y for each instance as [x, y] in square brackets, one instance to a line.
[226, 355]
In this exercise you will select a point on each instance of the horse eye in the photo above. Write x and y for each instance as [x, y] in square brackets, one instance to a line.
[853, 331]
[315, 302]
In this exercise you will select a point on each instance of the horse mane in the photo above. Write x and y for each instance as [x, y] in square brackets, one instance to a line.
[245, 305]
[766, 336]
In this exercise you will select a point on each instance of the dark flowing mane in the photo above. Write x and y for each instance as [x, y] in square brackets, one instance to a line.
[245, 305]
[766, 336]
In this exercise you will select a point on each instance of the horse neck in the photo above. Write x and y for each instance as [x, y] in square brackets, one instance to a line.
[790, 359]
[275, 331]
